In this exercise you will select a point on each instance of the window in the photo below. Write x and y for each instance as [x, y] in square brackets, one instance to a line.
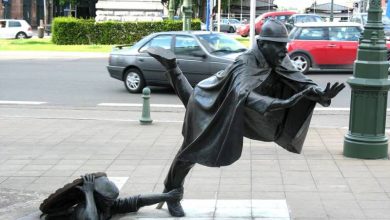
[2, 24]
[14, 24]
[186, 45]
[163, 41]
[300, 19]
[312, 33]
[220, 43]
[281, 18]
[344, 33]
[234, 21]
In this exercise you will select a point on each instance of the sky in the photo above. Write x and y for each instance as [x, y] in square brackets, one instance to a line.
[301, 4]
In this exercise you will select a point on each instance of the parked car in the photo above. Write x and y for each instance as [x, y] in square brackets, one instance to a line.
[11, 28]
[301, 18]
[325, 45]
[279, 15]
[200, 54]
[361, 18]
[229, 25]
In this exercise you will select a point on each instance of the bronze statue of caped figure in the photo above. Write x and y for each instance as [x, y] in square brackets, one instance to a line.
[260, 96]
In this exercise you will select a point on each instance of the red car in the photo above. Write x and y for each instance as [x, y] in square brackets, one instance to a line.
[279, 15]
[324, 45]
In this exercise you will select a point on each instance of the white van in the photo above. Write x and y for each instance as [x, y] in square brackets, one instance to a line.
[11, 28]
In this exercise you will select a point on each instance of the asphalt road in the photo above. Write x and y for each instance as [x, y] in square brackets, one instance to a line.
[86, 82]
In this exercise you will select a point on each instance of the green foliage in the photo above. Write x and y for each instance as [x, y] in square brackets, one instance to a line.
[68, 30]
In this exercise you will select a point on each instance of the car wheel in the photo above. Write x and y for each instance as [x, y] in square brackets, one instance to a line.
[134, 81]
[231, 30]
[21, 35]
[301, 62]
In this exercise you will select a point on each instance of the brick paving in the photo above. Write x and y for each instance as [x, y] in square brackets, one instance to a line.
[39, 155]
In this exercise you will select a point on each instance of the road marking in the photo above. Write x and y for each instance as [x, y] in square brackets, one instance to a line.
[108, 104]
[21, 103]
[139, 105]
[221, 209]
[118, 181]
[332, 109]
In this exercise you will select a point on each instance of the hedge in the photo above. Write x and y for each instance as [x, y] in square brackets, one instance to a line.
[69, 30]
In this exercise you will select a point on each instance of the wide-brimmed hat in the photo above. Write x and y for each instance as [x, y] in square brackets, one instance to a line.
[273, 30]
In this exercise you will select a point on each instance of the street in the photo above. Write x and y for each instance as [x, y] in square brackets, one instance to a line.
[67, 82]
[85, 82]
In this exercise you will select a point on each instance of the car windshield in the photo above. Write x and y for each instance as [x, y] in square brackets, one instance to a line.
[215, 43]
[385, 19]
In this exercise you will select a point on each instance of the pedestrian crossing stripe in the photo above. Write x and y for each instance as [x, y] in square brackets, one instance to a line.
[21, 102]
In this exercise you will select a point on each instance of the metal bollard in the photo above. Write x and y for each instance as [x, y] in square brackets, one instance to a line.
[145, 119]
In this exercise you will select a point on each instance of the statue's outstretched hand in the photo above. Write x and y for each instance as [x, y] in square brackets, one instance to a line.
[327, 94]
[164, 56]
[88, 183]
[330, 92]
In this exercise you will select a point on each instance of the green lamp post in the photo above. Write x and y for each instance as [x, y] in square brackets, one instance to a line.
[186, 9]
[369, 84]
[171, 10]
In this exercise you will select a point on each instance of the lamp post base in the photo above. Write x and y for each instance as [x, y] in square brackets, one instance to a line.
[365, 148]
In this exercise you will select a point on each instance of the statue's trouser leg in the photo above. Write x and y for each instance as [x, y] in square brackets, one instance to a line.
[126, 205]
[180, 84]
[177, 173]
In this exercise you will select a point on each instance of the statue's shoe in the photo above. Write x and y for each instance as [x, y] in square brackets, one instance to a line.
[166, 57]
[175, 209]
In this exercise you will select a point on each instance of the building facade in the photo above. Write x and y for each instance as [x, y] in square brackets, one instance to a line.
[33, 10]
[129, 10]
[29, 10]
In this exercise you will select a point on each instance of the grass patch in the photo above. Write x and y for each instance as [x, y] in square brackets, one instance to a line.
[243, 40]
[45, 44]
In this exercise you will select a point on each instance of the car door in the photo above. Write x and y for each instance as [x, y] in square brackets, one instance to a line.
[152, 70]
[13, 28]
[314, 41]
[224, 25]
[191, 58]
[343, 43]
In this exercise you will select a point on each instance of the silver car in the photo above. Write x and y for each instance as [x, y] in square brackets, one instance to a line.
[228, 25]
[199, 55]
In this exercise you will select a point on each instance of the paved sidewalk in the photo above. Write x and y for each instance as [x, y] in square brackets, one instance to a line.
[40, 154]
